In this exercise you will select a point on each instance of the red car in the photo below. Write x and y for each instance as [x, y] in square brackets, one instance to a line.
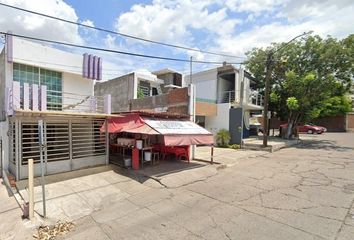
[308, 128]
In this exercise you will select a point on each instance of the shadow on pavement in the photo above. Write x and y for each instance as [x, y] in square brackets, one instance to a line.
[164, 168]
[322, 144]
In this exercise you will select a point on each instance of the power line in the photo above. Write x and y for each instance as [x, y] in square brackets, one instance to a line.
[74, 69]
[119, 33]
[110, 50]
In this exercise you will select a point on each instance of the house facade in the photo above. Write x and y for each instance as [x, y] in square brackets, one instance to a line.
[160, 91]
[130, 86]
[38, 82]
[225, 99]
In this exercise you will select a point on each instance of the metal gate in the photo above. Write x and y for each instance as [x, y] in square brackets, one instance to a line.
[69, 142]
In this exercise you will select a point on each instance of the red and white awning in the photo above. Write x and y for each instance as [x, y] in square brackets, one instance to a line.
[174, 132]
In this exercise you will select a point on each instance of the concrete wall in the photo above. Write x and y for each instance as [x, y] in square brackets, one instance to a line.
[74, 83]
[206, 85]
[205, 109]
[35, 54]
[167, 77]
[149, 103]
[122, 90]
[220, 121]
[175, 101]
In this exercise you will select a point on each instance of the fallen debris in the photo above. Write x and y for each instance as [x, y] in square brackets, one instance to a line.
[50, 232]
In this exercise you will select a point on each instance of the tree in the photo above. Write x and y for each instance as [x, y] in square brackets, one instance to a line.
[310, 77]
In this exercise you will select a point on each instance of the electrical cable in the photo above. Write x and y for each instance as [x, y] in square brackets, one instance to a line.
[113, 51]
[119, 33]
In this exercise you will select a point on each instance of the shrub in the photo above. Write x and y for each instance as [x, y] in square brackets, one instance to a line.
[223, 138]
[234, 146]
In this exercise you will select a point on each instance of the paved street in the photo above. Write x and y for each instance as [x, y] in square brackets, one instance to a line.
[303, 192]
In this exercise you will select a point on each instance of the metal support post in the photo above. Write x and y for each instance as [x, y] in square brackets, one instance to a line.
[30, 189]
[107, 141]
[41, 148]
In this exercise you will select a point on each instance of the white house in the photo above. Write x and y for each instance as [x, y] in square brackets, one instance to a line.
[38, 82]
[219, 92]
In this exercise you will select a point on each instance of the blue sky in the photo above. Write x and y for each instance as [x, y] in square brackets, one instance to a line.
[227, 26]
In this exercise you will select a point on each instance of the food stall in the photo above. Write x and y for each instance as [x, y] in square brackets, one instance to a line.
[140, 138]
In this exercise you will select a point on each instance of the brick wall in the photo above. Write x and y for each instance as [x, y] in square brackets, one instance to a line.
[350, 119]
[333, 123]
[175, 101]
[178, 96]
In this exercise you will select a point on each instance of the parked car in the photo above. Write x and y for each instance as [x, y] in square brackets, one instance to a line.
[308, 128]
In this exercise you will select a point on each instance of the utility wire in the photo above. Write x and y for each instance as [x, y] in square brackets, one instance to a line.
[119, 33]
[111, 51]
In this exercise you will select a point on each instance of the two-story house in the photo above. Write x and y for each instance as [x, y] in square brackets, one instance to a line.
[160, 91]
[38, 82]
[134, 85]
[225, 99]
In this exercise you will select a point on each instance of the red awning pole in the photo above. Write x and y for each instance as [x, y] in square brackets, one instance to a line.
[212, 154]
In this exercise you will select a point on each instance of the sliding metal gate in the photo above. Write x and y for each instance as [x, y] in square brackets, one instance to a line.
[70, 144]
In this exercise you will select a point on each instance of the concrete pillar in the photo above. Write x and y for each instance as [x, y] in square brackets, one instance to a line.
[34, 97]
[107, 104]
[43, 98]
[26, 96]
[16, 95]
[30, 189]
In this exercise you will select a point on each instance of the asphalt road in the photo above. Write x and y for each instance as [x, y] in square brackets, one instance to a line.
[303, 192]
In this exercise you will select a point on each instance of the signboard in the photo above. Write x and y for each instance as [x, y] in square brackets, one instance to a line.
[176, 127]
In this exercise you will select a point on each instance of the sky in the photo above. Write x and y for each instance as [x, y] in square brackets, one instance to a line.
[226, 26]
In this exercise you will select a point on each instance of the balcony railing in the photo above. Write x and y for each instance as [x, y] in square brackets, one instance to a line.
[250, 97]
[227, 97]
[39, 98]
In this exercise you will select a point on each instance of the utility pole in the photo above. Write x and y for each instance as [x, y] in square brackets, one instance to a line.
[269, 67]
[193, 92]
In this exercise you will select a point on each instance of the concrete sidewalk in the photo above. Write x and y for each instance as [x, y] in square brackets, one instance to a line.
[174, 174]
[274, 143]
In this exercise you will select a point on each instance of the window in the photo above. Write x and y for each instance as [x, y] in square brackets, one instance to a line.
[33, 75]
[154, 91]
[177, 79]
[145, 90]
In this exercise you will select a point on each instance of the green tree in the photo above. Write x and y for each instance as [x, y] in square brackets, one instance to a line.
[313, 74]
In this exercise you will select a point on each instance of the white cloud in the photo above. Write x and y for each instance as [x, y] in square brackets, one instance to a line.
[33, 25]
[324, 18]
[174, 21]
[255, 6]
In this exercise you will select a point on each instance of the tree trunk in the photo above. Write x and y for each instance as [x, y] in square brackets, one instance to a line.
[293, 120]
[289, 132]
